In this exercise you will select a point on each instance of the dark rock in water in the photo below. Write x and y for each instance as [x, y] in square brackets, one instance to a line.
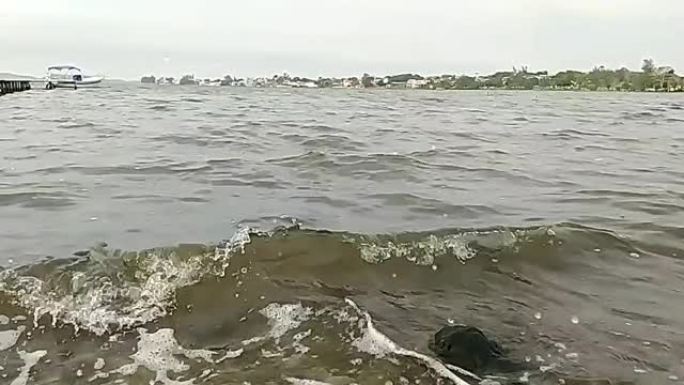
[469, 348]
[594, 381]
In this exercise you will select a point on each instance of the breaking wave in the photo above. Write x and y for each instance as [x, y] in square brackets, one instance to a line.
[107, 290]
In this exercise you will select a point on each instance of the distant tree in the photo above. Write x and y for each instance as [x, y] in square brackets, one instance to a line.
[367, 81]
[404, 78]
[641, 82]
[522, 81]
[324, 82]
[466, 83]
[648, 66]
[187, 80]
[227, 81]
[567, 79]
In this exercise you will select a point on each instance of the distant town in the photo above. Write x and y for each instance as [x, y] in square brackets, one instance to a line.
[651, 78]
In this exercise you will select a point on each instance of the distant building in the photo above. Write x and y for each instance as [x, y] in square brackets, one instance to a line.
[148, 80]
[351, 83]
[210, 82]
[163, 81]
[665, 70]
[416, 83]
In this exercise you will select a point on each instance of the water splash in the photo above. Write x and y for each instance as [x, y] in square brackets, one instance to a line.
[112, 290]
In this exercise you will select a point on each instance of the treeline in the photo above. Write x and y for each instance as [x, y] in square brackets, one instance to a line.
[650, 78]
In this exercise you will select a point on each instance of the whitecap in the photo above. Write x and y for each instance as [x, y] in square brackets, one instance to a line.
[99, 301]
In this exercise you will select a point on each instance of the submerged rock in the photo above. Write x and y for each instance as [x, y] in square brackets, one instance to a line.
[595, 381]
[469, 348]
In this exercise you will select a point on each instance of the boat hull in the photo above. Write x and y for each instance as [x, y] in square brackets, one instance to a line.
[85, 83]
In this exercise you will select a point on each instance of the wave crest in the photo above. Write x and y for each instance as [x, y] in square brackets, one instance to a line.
[112, 289]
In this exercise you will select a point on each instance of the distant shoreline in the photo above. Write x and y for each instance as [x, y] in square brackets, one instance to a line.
[651, 78]
[381, 89]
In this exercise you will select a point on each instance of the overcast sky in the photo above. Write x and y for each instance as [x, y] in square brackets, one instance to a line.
[130, 38]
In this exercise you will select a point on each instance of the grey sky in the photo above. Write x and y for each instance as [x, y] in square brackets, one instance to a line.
[130, 38]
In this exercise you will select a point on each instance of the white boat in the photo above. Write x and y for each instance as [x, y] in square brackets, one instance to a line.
[66, 76]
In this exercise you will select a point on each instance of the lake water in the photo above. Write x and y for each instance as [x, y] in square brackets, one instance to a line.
[249, 236]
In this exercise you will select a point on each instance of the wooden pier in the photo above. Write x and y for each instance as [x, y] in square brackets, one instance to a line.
[10, 86]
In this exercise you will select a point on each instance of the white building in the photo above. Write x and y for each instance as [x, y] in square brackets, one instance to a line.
[416, 83]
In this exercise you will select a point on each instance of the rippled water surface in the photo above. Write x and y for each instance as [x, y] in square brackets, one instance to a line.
[230, 236]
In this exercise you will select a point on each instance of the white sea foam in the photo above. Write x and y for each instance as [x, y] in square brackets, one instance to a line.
[99, 364]
[375, 343]
[422, 252]
[425, 251]
[9, 337]
[283, 318]
[30, 360]
[159, 352]
[303, 381]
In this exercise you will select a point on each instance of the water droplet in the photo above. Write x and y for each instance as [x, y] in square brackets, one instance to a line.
[434, 267]
[79, 373]
[639, 371]
[597, 250]
[10, 261]
[538, 315]
[494, 260]
[673, 378]
[394, 275]
[574, 320]
[451, 321]
[243, 270]
[571, 356]
[528, 359]
[434, 147]
[237, 295]
[634, 255]
[646, 343]
[93, 218]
